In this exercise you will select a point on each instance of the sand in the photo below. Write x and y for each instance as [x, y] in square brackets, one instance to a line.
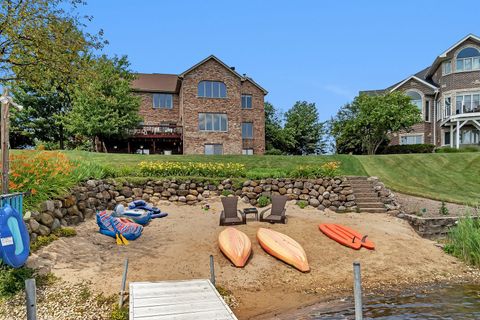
[178, 247]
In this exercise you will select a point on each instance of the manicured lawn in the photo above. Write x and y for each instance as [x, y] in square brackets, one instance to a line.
[451, 177]
[257, 166]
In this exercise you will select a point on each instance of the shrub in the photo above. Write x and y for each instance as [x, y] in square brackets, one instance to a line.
[13, 280]
[199, 169]
[263, 201]
[119, 313]
[226, 193]
[455, 150]
[302, 204]
[274, 152]
[328, 169]
[408, 148]
[463, 240]
[443, 209]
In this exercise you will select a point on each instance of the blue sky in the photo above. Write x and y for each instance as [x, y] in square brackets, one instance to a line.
[319, 51]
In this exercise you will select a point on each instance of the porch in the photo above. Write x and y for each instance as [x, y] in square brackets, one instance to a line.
[462, 129]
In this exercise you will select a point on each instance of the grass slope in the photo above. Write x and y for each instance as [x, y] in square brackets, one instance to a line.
[451, 177]
[257, 166]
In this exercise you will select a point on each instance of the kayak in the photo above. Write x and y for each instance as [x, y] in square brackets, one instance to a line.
[346, 236]
[284, 248]
[235, 245]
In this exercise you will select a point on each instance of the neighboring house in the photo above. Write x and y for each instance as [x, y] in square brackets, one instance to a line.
[208, 109]
[448, 95]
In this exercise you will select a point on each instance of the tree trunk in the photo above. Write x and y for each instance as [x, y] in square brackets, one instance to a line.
[60, 133]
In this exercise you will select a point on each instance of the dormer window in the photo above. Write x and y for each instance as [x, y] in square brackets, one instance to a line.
[447, 67]
[212, 89]
[468, 59]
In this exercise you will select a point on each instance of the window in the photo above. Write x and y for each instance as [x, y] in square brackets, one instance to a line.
[247, 152]
[246, 101]
[247, 130]
[416, 99]
[427, 110]
[469, 136]
[447, 67]
[448, 107]
[467, 102]
[212, 122]
[411, 139]
[211, 149]
[446, 138]
[212, 89]
[468, 59]
[163, 100]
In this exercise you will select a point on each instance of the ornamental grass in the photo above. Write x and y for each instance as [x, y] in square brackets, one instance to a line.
[463, 240]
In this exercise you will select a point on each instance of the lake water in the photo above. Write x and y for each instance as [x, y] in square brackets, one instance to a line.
[458, 302]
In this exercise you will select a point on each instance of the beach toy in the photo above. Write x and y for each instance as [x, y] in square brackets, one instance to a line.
[119, 228]
[346, 236]
[14, 238]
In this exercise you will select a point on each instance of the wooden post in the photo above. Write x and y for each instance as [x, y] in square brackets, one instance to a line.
[154, 146]
[31, 299]
[124, 281]
[4, 141]
[357, 291]
[212, 271]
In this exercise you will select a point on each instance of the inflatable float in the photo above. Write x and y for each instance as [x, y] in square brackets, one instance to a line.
[235, 245]
[14, 238]
[284, 248]
[118, 228]
[346, 236]
[139, 212]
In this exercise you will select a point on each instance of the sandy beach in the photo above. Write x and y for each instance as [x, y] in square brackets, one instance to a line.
[178, 247]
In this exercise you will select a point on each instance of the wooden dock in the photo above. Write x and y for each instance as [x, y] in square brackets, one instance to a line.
[180, 300]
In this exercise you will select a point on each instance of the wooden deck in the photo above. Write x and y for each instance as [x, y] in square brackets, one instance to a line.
[181, 300]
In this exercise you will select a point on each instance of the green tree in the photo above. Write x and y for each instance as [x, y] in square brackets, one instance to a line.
[275, 138]
[32, 38]
[366, 123]
[104, 106]
[304, 129]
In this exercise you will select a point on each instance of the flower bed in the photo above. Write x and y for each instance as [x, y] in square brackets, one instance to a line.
[198, 169]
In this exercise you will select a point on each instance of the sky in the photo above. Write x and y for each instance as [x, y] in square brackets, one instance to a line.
[319, 51]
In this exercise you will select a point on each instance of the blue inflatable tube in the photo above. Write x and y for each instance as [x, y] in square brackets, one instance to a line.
[14, 238]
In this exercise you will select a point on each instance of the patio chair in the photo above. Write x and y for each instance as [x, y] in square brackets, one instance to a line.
[229, 215]
[277, 211]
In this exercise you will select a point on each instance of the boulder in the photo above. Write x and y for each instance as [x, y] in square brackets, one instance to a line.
[34, 225]
[43, 230]
[190, 197]
[314, 202]
[46, 219]
[56, 225]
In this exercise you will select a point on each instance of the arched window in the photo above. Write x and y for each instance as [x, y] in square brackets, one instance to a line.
[212, 89]
[416, 99]
[468, 59]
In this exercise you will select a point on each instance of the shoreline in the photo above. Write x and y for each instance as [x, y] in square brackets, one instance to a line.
[178, 247]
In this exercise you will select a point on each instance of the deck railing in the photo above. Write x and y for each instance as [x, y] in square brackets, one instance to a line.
[160, 130]
[13, 199]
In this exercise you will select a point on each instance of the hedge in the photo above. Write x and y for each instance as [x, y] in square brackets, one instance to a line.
[409, 148]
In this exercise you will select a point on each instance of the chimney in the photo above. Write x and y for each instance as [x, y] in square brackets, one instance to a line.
[232, 68]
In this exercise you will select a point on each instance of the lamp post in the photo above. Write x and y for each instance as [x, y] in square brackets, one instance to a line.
[6, 101]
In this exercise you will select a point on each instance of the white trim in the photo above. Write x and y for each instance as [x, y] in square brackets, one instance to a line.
[422, 134]
[469, 36]
[422, 96]
[415, 78]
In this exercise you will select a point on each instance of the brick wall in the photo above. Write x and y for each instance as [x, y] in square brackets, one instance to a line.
[152, 115]
[195, 140]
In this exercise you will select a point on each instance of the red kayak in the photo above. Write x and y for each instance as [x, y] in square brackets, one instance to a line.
[346, 236]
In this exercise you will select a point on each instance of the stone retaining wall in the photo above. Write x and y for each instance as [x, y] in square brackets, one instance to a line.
[94, 195]
[431, 227]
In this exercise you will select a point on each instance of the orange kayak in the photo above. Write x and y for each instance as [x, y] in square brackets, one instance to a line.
[284, 248]
[346, 236]
[235, 245]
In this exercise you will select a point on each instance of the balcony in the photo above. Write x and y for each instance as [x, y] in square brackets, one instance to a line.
[157, 131]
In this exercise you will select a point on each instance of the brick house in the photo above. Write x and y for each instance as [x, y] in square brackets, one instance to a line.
[208, 109]
[448, 95]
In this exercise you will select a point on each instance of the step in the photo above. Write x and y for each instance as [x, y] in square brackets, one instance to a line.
[363, 190]
[367, 200]
[366, 195]
[361, 204]
[373, 210]
[357, 178]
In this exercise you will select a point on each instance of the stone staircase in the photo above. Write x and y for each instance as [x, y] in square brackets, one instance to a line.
[366, 197]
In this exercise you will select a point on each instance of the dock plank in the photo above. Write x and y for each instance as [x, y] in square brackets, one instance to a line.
[180, 300]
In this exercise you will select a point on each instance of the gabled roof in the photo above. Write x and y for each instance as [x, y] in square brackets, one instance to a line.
[443, 56]
[415, 78]
[210, 57]
[156, 82]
